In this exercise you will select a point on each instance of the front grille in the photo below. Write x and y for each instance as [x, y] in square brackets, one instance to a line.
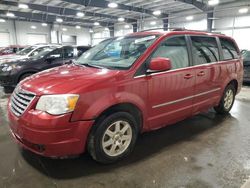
[20, 100]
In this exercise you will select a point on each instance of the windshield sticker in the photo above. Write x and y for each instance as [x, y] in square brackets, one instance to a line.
[144, 39]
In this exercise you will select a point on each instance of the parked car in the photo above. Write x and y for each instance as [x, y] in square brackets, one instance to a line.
[102, 102]
[246, 63]
[13, 72]
[12, 49]
[82, 49]
[25, 53]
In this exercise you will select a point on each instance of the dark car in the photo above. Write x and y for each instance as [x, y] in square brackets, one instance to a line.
[246, 62]
[10, 50]
[11, 73]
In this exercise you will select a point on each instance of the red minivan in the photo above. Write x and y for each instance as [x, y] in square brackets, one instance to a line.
[122, 87]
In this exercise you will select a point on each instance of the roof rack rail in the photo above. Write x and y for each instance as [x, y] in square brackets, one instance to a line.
[168, 28]
[181, 29]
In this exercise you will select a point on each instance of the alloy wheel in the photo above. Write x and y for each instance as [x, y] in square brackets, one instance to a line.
[117, 138]
[228, 99]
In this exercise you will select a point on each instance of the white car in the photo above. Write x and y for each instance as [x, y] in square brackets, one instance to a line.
[23, 54]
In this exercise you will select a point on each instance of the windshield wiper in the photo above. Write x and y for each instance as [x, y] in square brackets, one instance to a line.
[94, 66]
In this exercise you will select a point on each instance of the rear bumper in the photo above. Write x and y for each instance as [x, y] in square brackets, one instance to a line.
[50, 136]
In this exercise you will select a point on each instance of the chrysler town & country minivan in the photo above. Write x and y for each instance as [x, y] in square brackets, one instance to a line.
[123, 87]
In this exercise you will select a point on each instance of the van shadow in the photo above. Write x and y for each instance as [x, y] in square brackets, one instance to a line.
[147, 145]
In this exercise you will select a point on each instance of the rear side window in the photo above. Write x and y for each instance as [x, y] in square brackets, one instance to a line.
[205, 50]
[68, 52]
[229, 49]
[176, 50]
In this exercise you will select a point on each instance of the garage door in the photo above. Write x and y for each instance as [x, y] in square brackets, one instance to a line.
[4, 39]
[36, 38]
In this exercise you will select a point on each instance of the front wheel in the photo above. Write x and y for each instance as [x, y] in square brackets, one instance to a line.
[227, 100]
[114, 137]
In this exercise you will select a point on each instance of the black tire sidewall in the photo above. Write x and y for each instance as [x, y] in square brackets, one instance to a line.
[100, 155]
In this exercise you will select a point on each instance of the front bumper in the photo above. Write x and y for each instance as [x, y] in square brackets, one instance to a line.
[47, 135]
[7, 79]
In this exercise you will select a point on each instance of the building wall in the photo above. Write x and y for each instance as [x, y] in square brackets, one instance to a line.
[8, 27]
[237, 27]
[198, 23]
[82, 35]
[24, 32]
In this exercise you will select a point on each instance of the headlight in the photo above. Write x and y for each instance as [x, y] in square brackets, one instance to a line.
[7, 68]
[57, 104]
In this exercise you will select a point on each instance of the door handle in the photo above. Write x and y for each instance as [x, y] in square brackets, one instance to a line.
[188, 76]
[202, 73]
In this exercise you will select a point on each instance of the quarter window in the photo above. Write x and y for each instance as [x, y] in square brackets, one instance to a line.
[176, 50]
[204, 50]
[229, 49]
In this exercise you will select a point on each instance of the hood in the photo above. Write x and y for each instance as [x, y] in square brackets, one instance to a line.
[67, 79]
[11, 58]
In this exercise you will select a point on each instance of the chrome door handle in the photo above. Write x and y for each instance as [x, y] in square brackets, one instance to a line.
[188, 76]
[202, 73]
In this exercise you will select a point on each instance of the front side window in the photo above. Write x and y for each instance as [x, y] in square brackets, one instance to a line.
[175, 49]
[117, 53]
[57, 53]
[44, 52]
[204, 50]
[229, 49]
[37, 51]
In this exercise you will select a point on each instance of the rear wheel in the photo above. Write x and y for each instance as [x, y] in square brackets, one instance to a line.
[227, 100]
[114, 137]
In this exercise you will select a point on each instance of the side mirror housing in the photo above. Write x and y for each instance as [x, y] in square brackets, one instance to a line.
[159, 64]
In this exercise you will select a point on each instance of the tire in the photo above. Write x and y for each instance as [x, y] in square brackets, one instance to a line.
[119, 132]
[227, 100]
[24, 76]
[8, 90]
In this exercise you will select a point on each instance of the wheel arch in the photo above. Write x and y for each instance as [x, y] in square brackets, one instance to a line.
[234, 82]
[25, 72]
[131, 108]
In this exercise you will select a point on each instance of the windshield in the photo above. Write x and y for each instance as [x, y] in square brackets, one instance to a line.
[117, 53]
[45, 51]
[25, 51]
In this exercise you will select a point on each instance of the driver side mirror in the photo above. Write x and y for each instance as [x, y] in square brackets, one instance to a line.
[159, 64]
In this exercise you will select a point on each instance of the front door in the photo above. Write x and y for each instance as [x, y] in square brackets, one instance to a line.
[170, 92]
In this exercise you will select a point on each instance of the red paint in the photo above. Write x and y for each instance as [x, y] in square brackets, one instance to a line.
[100, 89]
[160, 64]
